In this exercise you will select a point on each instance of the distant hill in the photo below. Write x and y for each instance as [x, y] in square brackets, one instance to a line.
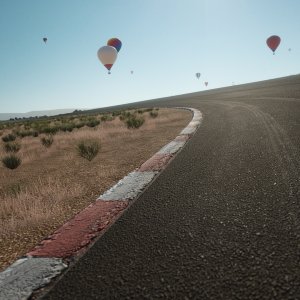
[7, 116]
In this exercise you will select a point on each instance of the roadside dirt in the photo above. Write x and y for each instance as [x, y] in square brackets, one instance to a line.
[52, 185]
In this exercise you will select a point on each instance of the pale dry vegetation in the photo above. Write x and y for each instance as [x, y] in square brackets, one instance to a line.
[52, 184]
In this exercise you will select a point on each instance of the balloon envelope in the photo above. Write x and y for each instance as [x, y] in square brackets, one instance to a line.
[198, 75]
[114, 42]
[45, 40]
[206, 83]
[107, 55]
[273, 42]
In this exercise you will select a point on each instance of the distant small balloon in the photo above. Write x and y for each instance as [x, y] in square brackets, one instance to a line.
[206, 83]
[198, 75]
[290, 49]
[45, 40]
[131, 72]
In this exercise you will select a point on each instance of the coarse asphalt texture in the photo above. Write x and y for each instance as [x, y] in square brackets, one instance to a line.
[222, 221]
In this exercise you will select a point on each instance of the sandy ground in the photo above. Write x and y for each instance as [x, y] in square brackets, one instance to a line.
[54, 184]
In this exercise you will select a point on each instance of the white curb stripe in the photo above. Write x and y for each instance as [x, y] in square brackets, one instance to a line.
[171, 148]
[128, 187]
[188, 130]
[26, 275]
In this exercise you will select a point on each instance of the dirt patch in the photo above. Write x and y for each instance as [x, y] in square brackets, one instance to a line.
[53, 184]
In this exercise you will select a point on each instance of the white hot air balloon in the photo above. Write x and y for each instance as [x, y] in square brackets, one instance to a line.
[107, 55]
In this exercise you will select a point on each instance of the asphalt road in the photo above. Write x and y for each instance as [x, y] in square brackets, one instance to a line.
[222, 221]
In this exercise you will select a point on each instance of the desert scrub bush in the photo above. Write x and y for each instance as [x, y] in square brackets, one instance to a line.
[126, 115]
[134, 122]
[67, 127]
[79, 125]
[92, 123]
[88, 149]
[8, 138]
[24, 133]
[153, 114]
[116, 113]
[47, 141]
[11, 161]
[106, 118]
[35, 133]
[12, 147]
[49, 130]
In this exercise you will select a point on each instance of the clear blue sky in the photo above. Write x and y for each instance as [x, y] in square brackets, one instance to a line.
[165, 42]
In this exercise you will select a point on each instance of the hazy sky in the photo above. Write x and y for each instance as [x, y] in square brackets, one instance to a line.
[165, 42]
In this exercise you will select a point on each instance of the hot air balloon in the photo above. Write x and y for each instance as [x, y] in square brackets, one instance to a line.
[114, 42]
[273, 42]
[198, 75]
[107, 55]
[45, 40]
[206, 83]
[131, 72]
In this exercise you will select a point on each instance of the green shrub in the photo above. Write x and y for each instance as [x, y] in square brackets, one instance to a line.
[116, 113]
[24, 133]
[49, 130]
[92, 123]
[8, 138]
[11, 161]
[79, 125]
[47, 141]
[104, 118]
[12, 147]
[35, 133]
[125, 115]
[88, 149]
[67, 127]
[134, 122]
[153, 114]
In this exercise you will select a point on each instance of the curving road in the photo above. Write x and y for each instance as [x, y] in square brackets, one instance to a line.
[222, 221]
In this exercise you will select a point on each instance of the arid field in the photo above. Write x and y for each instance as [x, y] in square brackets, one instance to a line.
[54, 182]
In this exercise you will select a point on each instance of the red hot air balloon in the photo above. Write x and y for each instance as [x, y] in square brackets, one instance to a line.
[273, 42]
[114, 42]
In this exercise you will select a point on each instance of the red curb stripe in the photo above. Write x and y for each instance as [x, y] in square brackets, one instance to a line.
[76, 234]
[156, 163]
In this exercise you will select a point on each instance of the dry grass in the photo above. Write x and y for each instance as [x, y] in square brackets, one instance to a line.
[34, 199]
[40, 202]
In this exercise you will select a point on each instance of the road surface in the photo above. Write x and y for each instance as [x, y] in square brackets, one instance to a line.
[222, 221]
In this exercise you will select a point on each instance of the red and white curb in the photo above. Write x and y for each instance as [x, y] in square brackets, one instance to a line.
[50, 258]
